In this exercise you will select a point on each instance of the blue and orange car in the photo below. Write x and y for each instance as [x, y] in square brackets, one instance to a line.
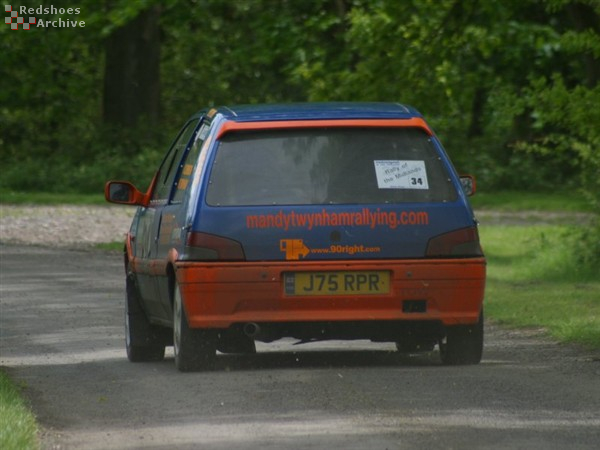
[310, 221]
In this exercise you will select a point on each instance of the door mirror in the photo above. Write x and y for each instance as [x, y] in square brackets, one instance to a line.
[468, 184]
[122, 192]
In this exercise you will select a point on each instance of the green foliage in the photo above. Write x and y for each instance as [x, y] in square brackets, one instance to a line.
[562, 109]
[586, 248]
[68, 174]
[562, 118]
[19, 429]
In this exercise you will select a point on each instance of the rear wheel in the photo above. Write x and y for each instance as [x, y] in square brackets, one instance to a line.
[194, 349]
[143, 341]
[463, 345]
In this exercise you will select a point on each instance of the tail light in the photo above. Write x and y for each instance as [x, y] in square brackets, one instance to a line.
[210, 247]
[463, 242]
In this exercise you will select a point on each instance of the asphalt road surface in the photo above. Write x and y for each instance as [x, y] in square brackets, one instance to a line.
[62, 340]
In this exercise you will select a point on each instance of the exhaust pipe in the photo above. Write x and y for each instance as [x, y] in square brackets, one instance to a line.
[252, 329]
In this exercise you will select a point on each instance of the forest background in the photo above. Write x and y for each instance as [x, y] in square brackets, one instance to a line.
[510, 86]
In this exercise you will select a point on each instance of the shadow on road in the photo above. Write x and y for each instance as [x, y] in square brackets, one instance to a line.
[319, 358]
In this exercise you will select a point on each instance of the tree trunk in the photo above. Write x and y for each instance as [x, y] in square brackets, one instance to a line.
[476, 127]
[131, 77]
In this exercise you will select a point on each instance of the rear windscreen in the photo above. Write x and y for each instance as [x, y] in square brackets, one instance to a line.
[327, 166]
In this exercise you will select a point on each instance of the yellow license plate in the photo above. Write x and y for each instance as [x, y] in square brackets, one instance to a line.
[337, 283]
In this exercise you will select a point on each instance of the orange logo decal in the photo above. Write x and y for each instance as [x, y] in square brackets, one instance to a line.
[293, 248]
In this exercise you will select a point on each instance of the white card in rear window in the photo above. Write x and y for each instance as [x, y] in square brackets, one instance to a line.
[394, 174]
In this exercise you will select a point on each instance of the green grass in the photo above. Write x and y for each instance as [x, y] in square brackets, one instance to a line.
[110, 246]
[46, 198]
[534, 281]
[19, 428]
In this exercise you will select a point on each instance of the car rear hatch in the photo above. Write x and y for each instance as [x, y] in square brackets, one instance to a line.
[330, 193]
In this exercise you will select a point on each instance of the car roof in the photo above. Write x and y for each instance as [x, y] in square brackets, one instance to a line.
[316, 111]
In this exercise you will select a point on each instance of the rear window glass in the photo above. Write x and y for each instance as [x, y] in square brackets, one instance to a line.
[327, 166]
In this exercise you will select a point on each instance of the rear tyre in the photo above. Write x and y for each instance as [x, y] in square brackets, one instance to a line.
[194, 349]
[143, 341]
[463, 345]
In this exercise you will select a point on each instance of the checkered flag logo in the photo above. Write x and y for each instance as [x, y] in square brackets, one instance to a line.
[14, 20]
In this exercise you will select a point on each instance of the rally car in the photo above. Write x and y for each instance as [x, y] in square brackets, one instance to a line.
[310, 221]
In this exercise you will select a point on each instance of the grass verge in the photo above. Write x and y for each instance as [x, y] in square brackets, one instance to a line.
[19, 428]
[110, 246]
[47, 198]
[535, 281]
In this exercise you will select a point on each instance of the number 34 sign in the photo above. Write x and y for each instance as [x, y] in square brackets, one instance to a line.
[396, 174]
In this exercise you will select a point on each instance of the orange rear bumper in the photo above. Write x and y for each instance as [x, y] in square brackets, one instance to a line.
[217, 295]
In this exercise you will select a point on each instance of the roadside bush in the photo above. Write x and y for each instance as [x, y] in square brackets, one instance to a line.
[562, 117]
[586, 247]
[87, 177]
[83, 164]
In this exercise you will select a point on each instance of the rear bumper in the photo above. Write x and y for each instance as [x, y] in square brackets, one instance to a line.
[218, 295]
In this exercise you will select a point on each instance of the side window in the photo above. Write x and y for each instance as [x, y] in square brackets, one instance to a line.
[168, 169]
[185, 175]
